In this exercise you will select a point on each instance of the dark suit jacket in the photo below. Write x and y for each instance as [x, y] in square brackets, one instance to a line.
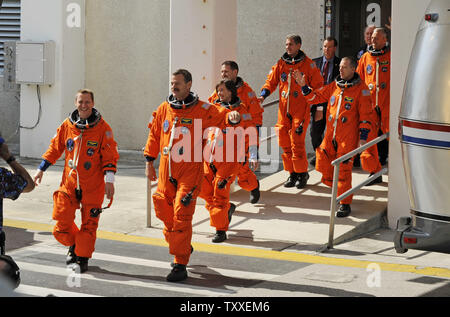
[337, 61]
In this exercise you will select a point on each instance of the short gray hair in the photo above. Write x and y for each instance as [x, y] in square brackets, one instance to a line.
[381, 30]
[295, 37]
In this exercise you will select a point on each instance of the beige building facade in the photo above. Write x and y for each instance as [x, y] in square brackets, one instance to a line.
[122, 50]
[128, 60]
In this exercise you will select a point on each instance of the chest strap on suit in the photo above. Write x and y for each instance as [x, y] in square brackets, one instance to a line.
[377, 91]
[289, 95]
[167, 150]
[213, 146]
[336, 119]
[73, 164]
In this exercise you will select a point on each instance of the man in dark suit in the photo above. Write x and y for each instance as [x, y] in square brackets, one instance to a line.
[328, 64]
[367, 41]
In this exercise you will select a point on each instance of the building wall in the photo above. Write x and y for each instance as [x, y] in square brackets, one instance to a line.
[406, 17]
[262, 29]
[51, 20]
[127, 62]
[127, 58]
[9, 117]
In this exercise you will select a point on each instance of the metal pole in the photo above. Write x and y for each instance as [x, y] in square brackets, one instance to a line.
[149, 203]
[333, 206]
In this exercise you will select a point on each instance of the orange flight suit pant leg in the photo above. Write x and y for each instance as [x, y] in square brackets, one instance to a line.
[221, 205]
[299, 159]
[207, 191]
[66, 231]
[284, 141]
[369, 158]
[177, 218]
[217, 200]
[293, 146]
[324, 157]
[247, 179]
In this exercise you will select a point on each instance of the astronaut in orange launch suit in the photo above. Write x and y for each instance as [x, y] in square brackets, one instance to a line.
[91, 157]
[176, 131]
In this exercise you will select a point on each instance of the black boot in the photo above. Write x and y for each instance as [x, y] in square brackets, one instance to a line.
[357, 161]
[220, 236]
[343, 211]
[231, 211]
[377, 180]
[254, 195]
[178, 273]
[292, 179]
[71, 256]
[82, 263]
[302, 180]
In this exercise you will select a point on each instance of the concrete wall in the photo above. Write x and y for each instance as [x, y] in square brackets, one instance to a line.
[127, 56]
[9, 117]
[406, 17]
[202, 35]
[52, 20]
[262, 29]
[121, 51]
[127, 63]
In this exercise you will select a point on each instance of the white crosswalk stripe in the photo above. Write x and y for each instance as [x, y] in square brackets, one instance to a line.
[161, 264]
[67, 275]
[44, 292]
[102, 277]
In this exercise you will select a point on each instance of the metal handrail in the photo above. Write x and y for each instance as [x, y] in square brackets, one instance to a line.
[270, 103]
[265, 106]
[334, 200]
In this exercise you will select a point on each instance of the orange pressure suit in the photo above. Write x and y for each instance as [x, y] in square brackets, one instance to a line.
[293, 110]
[349, 115]
[247, 179]
[374, 68]
[227, 150]
[90, 151]
[176, 130]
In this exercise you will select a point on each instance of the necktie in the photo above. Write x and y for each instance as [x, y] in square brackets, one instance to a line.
[325, 72]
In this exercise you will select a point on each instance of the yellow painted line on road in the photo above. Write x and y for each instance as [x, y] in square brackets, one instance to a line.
[34, 226]
[249, 252]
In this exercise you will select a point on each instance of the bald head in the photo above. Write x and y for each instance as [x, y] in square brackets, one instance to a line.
[368, 34]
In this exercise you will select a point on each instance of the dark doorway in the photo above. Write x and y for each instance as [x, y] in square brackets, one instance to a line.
[350, 18]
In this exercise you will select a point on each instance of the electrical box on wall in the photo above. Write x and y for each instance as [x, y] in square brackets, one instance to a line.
[35, 63]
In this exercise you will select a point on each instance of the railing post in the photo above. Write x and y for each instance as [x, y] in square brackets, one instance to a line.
[333, 206]
[149, 203]
[334, 199]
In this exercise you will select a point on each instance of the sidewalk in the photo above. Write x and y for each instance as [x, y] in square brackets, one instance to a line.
[285, 219]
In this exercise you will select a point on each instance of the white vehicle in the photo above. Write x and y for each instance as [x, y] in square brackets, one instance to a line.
[424, 131]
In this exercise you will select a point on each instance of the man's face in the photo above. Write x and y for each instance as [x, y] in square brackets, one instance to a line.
[84, 105]
[292, 48]
[346, 70]
[378, 40]
[227, 73]
[223, 93]
[180, 89]
[368, 35]
[329, 49]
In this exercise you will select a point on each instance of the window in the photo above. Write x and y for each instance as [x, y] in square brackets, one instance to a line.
[9, 25]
